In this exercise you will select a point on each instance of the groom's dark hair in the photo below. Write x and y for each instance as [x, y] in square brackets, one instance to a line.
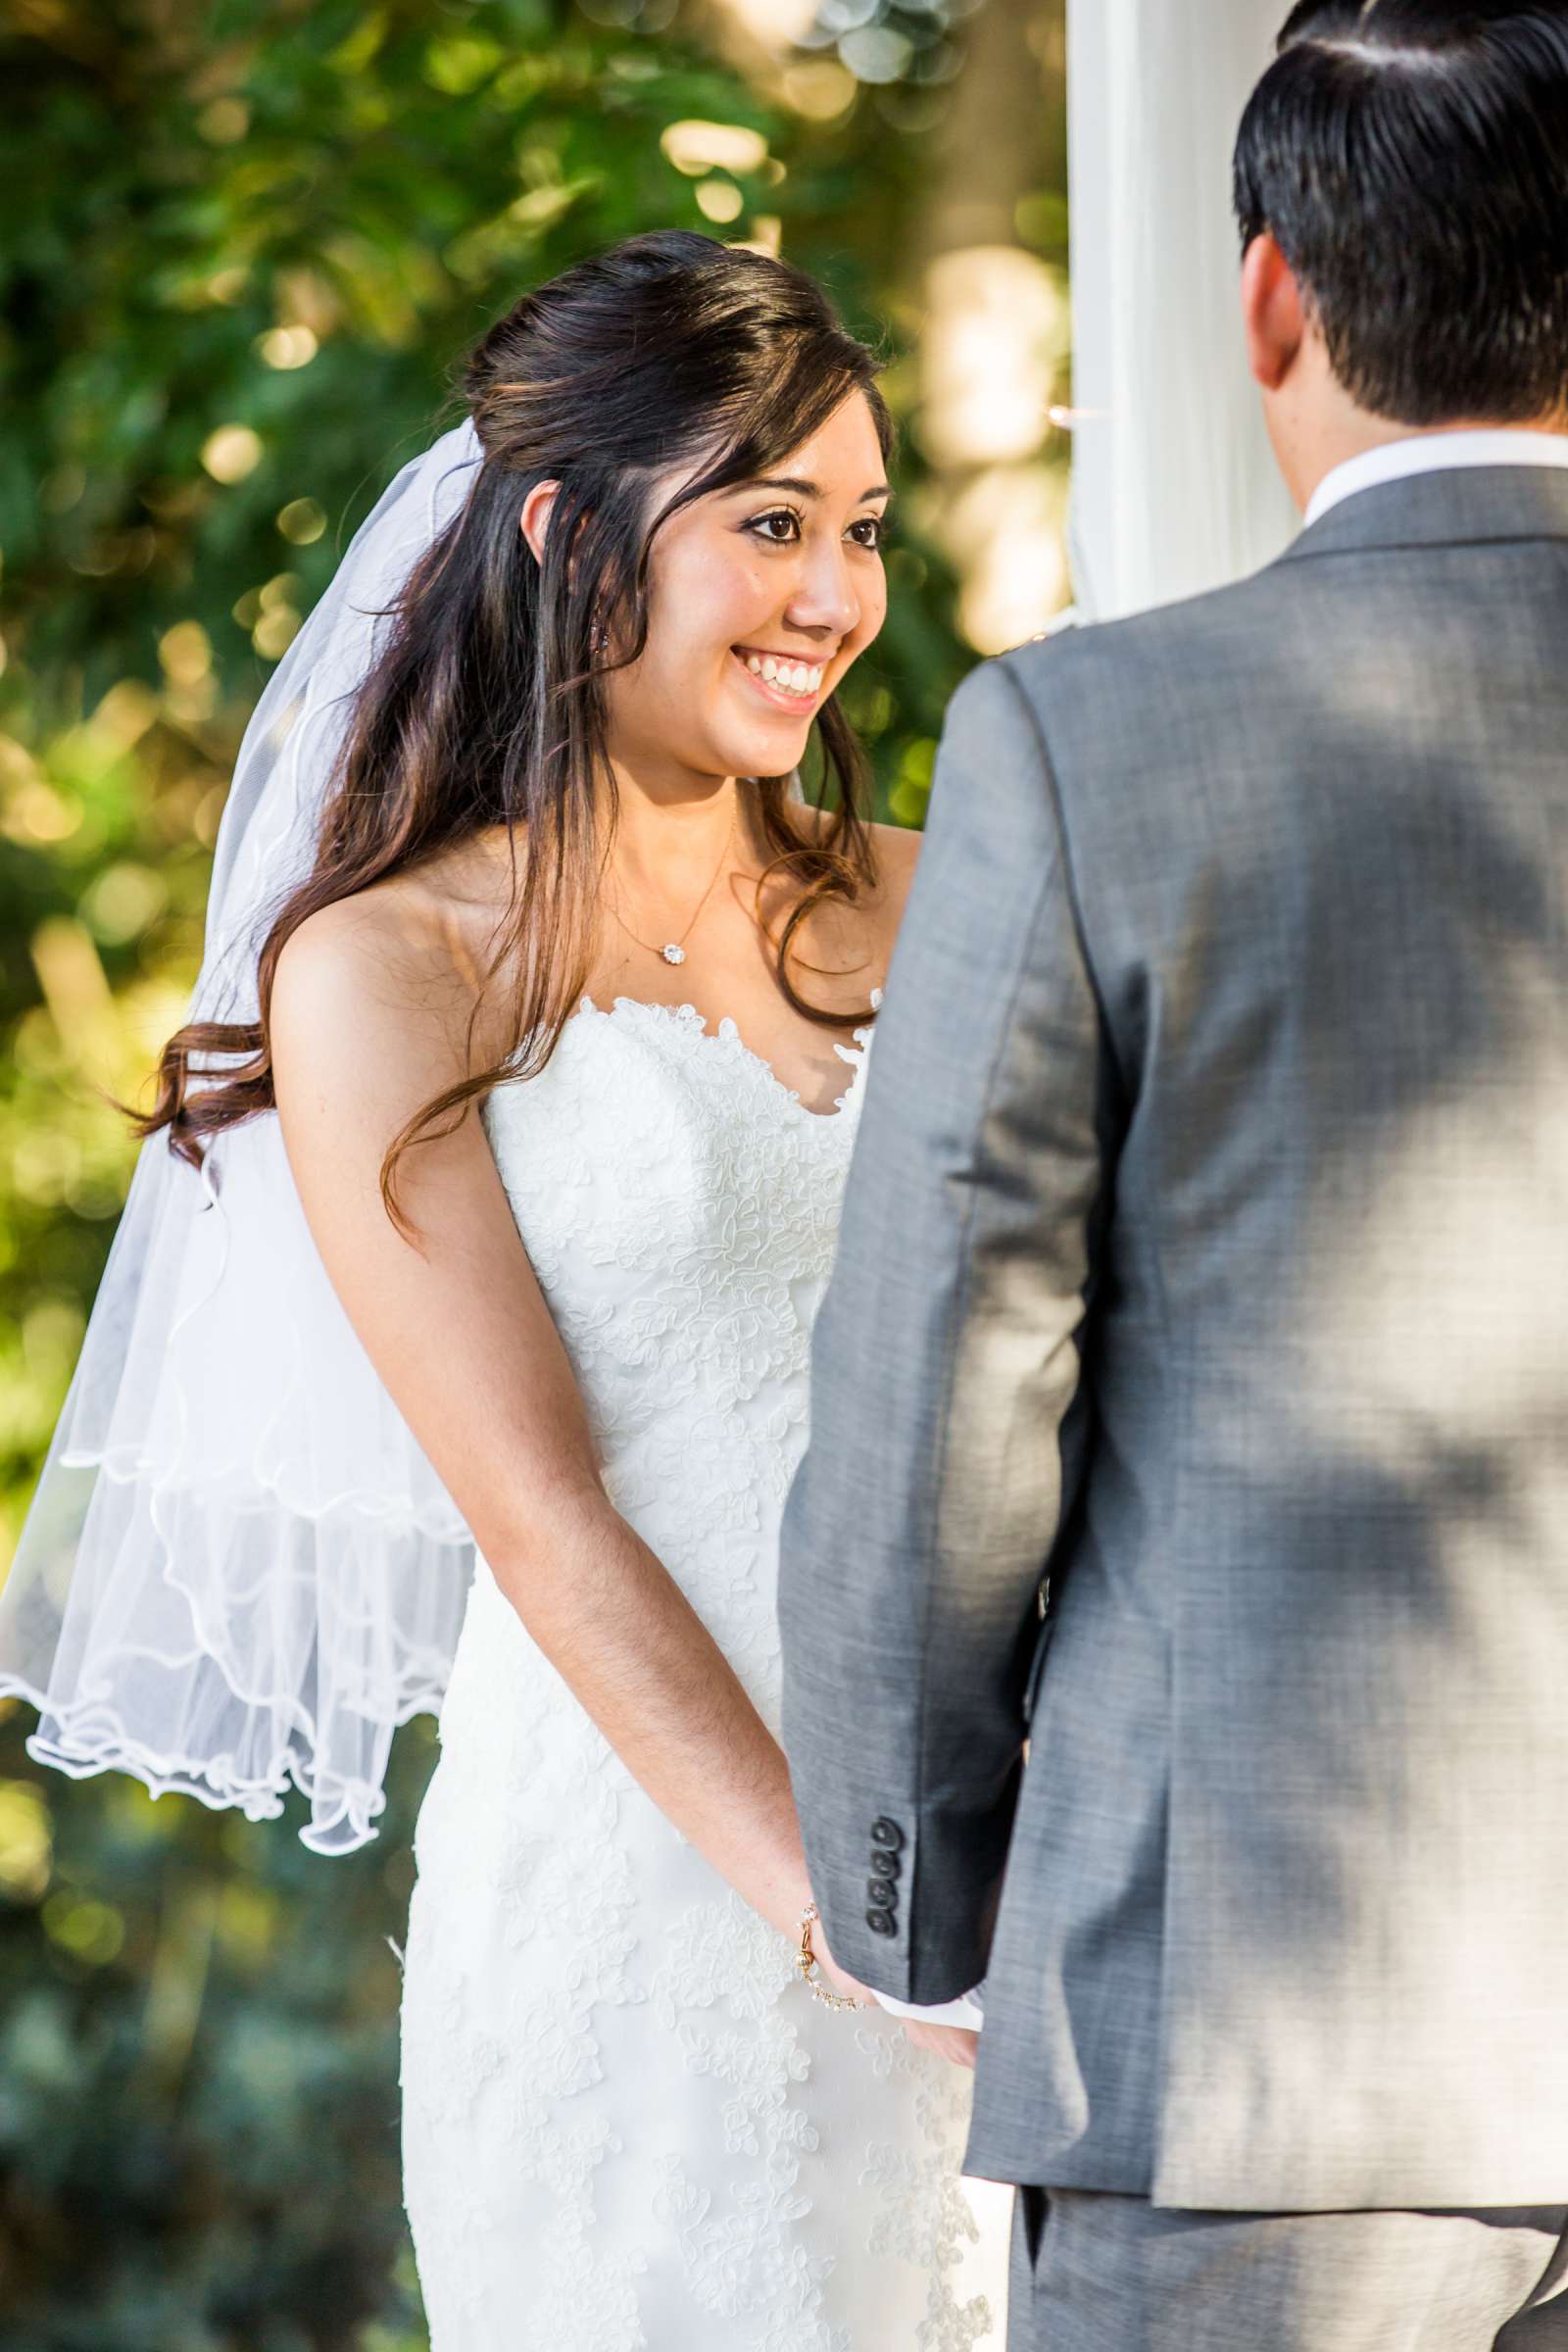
[1410, 158]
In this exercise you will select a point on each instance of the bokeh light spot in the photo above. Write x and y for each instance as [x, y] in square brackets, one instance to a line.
[231, 453]
[819, 88]
[87, 1931]
[120, 901]
[302, 521]
[695, 147]
[185, 653]
[720, 200]
[287, 346]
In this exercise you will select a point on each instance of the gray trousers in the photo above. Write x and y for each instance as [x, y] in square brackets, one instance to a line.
[1095, 2273]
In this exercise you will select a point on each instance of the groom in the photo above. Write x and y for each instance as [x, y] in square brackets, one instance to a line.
[1205, 1260]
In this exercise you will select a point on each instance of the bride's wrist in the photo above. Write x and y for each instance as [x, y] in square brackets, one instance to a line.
[782, 1902]
[777, 1884]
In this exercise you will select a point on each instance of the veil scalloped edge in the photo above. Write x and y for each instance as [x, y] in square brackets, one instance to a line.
[239, 1572]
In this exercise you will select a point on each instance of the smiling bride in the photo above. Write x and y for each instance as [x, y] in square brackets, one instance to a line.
[524, 1088]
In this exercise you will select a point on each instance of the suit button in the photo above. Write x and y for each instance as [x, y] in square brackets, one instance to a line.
[885, 1860]
[886, 1833]
[882, 1921]
[881, 1890]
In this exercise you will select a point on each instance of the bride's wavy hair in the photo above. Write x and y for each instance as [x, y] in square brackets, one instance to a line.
[486, 705]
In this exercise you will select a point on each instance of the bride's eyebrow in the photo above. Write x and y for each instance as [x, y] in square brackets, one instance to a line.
[805, 489]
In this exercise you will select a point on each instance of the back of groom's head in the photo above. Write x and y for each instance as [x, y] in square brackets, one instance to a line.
[1410, 159]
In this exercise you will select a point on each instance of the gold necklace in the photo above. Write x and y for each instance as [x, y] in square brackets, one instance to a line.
[673, 951]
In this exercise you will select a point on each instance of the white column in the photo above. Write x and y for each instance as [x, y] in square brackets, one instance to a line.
[1174, 484]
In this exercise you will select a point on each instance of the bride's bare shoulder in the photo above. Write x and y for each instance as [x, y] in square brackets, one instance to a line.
[414, 947]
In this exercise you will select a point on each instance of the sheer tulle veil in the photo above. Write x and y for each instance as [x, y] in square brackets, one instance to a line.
[239, 1570]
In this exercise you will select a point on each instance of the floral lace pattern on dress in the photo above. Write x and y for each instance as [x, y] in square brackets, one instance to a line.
[628, 2128]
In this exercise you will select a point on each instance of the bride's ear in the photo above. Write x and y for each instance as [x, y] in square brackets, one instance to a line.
[535, 518]
[1272, 312]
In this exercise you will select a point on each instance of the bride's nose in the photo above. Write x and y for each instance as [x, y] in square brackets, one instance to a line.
[824, 601]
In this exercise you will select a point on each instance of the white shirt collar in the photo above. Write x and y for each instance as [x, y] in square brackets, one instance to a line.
[1434, 453]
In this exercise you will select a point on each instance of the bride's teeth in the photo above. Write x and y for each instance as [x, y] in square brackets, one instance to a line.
[795, 677]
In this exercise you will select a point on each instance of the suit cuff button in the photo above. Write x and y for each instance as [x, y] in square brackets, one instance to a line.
[881, 1921]
[886, 1833]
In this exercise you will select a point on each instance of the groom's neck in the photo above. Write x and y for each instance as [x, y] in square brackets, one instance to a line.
[1316, 426]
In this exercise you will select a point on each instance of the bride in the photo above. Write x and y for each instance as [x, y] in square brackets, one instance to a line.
[524, 1076]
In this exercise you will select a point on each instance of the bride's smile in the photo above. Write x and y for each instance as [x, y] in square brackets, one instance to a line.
[763, 594]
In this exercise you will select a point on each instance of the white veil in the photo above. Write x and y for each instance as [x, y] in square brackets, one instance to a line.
[239, 1570]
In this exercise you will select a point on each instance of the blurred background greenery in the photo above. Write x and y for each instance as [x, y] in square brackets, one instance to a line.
[247, 243]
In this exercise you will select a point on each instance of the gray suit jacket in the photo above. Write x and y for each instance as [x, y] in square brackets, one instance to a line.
[1206, 1254]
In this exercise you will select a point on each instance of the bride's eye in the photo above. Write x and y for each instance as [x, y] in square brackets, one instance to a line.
[878, 525]
[786, 514]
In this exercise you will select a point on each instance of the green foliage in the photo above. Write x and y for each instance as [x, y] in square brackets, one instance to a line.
[283, 228]
[198, 2062]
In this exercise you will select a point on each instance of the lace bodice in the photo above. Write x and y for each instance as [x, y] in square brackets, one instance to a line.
[627, 2124]
[652, 1143]
[679, 1206]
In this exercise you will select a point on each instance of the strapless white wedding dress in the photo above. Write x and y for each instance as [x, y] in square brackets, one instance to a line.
[627, 2126]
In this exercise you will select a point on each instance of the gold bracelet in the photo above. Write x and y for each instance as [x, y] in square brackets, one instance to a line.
[809, 1967]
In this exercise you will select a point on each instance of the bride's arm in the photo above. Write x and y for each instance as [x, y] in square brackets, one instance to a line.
[366, 1027]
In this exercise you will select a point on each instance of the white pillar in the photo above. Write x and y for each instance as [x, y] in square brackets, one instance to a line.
[1174, 484]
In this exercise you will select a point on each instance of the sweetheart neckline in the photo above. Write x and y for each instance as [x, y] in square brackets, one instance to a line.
[728, 1033]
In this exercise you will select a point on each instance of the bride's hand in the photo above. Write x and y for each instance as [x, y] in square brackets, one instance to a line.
[957, 2042]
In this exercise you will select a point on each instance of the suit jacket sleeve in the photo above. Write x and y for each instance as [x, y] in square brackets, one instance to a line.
[948, 1419]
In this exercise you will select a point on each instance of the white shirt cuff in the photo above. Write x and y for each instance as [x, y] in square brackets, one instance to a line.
[967, 2010]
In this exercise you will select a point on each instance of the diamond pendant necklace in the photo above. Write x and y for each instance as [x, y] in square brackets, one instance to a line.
[674, 951]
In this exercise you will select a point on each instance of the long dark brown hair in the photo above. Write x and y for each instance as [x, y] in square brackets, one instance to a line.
[486, 707]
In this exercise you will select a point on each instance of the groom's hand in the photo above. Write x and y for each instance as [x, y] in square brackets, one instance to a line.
[956, 2042]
